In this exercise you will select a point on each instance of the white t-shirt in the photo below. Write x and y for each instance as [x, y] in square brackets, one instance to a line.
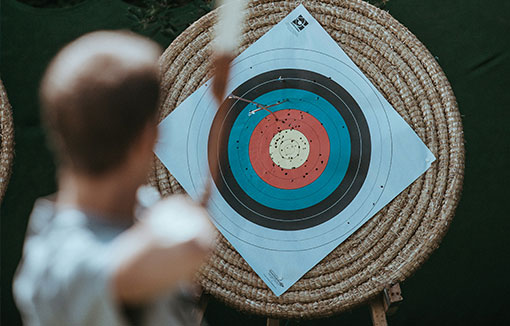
[64, 275]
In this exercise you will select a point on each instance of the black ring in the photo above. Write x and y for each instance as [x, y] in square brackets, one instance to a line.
[341, 196]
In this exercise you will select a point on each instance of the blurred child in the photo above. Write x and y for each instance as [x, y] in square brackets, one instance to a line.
[87, 259]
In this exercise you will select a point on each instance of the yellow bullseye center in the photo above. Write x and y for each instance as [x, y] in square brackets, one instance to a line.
[289, 149]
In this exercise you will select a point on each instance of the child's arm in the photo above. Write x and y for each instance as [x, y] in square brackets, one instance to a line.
[167, 247]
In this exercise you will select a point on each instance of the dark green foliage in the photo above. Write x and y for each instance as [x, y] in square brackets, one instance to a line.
[167, 17]
[51, 3]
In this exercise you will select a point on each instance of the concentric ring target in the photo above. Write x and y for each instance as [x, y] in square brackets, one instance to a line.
[320, 155]
[397, 69]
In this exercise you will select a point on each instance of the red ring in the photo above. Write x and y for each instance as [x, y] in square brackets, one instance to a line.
[303, 175]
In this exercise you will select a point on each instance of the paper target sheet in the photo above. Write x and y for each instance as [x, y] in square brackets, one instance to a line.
[308, 150]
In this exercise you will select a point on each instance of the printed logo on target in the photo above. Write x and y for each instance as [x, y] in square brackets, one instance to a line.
[275, 279]
[299, 23]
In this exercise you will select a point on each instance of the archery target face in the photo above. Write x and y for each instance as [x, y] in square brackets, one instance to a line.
[298, 167]
[347, 160]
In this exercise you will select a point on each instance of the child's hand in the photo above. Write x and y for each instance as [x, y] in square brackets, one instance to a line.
[177, 219]
[165, 248]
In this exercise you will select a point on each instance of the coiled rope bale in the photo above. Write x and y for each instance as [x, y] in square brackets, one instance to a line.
[398, 239]
[6, 141]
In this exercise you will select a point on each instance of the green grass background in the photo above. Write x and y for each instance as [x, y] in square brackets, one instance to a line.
[465, 282]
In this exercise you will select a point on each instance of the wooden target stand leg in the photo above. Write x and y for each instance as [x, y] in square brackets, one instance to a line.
[201, 306]
[386, 303]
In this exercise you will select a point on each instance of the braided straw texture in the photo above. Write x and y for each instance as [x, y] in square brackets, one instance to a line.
[6, 141]
[396, 241]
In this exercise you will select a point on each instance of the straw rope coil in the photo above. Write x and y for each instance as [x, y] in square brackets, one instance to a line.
[6, 141]
[397, 240]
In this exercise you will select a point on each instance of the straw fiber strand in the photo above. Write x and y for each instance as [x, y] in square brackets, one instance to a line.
[6, 141]
[398, 239]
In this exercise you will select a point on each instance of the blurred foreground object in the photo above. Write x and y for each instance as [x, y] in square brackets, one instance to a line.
[228, 30]
[87, 260]
[177, 220]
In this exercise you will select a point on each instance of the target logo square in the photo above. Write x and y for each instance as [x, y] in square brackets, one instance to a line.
[299, 23]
